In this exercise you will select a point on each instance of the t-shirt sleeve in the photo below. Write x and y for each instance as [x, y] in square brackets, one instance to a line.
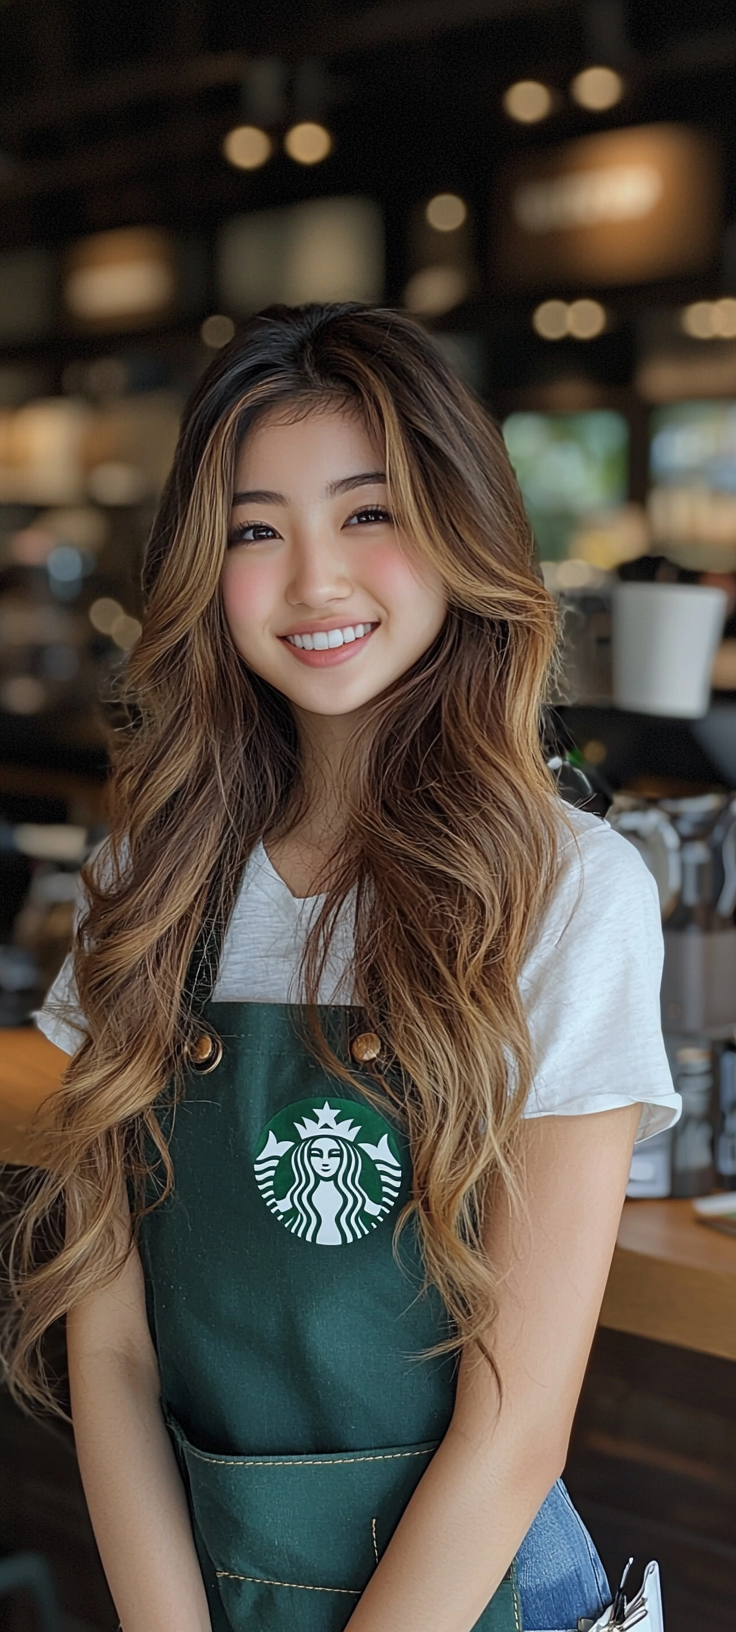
[60, 1017]
[591, 988]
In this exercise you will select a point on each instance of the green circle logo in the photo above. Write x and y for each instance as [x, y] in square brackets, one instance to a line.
[330, 1172]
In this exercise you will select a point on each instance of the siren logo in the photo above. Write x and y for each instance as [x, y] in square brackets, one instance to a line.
[329, 1172]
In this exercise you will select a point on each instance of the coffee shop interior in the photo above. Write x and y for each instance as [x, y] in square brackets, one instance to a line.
[550, 187]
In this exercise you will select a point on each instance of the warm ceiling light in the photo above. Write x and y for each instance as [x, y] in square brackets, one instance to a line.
[446, 212]
[217, 331]
[710, 319]
[551, 319]
[724, 318]
[585, 319]
[597, 89]
[435, 290]
[103, 613]
[527, 101]
[308, 143]
[247, 147]
[126, 632]
[697, 320]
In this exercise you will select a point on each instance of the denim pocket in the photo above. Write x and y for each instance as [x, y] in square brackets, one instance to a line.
[291, 1541]
[561, 1577]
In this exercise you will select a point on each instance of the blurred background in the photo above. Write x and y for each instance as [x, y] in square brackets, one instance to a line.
[550, 186]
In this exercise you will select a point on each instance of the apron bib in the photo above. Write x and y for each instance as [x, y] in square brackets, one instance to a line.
[290, 1336]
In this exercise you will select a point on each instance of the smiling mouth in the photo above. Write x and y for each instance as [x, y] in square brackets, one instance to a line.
[322, 640]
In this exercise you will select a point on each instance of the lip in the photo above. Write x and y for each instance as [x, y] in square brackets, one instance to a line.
[334, 655]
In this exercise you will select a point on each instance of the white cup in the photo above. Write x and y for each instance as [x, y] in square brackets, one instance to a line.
[665, 637]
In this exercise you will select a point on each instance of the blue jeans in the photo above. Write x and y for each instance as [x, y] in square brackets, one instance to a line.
[559, 1572]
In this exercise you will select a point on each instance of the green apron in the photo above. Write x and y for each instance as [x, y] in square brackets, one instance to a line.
[289, 1337]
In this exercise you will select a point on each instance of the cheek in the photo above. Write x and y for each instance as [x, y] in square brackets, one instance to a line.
[401, 581]
[247, 594]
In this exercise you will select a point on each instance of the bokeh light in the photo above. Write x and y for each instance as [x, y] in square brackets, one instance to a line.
[308, 142]
[247, 147]
[23, 694]
[435, 290]
[217, 331]
[103, 613]
[597, 89]
[528, 101]
[582, 319]
[125, 632]
[446, 212]
[586, 319]
[710, 319]
[550, 319]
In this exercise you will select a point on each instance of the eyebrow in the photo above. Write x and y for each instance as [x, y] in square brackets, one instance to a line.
[365, 478]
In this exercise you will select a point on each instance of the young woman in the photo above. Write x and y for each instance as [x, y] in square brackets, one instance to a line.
[349, 978]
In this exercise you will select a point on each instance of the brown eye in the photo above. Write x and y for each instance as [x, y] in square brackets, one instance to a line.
[371, 514]
[251, 532]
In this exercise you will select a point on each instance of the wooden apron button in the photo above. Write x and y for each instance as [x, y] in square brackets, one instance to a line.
[365, 1047]
[205, 1053]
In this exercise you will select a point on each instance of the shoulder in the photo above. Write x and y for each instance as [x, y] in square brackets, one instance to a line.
[591, 983]
[592, 850]
[601, 881]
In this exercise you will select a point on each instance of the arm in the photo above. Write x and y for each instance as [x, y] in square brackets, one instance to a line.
[131, 1480]
[489, 1477]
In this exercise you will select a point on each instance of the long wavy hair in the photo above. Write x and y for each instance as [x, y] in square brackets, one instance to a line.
[449, 853]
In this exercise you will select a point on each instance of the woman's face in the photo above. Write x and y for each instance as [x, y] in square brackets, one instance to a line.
[323, 597]
[324, 1156]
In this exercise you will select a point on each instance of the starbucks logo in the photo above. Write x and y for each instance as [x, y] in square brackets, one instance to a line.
[329, 1172]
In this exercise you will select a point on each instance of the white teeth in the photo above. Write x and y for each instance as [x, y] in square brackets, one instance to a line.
[322, 640]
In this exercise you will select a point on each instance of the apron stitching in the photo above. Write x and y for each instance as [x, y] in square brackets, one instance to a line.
[301, 1586]
[375, 1543]
[515, 1602]
[337, 1462]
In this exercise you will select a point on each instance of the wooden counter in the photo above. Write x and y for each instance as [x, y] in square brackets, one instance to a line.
[30, 1070]
[672, 1279]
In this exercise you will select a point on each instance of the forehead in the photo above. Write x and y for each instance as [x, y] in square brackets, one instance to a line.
[328, 441]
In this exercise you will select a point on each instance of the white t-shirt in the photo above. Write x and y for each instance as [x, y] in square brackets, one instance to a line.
[590, 984]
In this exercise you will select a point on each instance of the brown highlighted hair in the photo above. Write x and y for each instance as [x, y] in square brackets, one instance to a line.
[451, 844]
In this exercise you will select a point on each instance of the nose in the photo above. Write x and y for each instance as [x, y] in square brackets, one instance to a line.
[318, 571]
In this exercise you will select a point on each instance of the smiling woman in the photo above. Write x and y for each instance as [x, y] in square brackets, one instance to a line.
[341, 885]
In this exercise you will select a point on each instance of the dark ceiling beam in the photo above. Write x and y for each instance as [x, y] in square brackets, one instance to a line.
[124, 88]
[178, 79]
[122, 157]
[392, 24]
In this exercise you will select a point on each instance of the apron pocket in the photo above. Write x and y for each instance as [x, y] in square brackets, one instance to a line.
[293, 1540]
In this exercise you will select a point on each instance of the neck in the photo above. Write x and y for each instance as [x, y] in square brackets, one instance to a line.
[326, 741]
[300, 849]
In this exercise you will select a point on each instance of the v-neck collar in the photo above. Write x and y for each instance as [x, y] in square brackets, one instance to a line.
[264, 861]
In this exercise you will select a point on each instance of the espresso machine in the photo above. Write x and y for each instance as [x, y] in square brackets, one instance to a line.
[689, 846]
